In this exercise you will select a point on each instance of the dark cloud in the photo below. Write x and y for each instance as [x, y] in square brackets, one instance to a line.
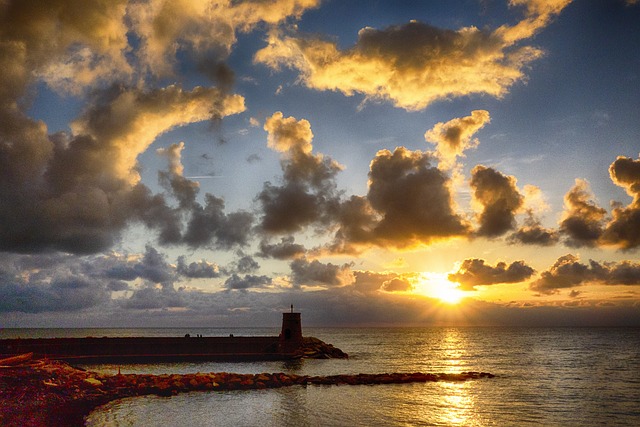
[474, 272]
[247, 282]
[285, 249]
[183, 189]
[311, 273]
[152, 267]
[52, 283]
[60, 294]
[288, 208]
[412, 197]
[253, 158]
[32, 299]
[308, 192]
[369, 281]
[209, 226]
[409, 200]
[218, 71]
[397, 285]
[624, 228]
[533, 233]
[569, 272]
[246, 264]
[149, 297]
[583, 220]
[77, 192]
[198, 269]
[58, 282]
[357, 221]
[499, 198]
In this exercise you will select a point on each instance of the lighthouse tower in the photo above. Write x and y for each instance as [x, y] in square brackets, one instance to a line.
[291, 334]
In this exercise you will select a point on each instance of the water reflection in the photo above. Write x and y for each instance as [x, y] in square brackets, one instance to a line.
[454, 350]
[458, 404]
[454, 402]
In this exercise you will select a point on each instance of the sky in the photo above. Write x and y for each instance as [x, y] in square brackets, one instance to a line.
[392, 163]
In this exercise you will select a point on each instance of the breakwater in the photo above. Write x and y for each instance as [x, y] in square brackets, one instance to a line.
[289, 344]
[49, 393]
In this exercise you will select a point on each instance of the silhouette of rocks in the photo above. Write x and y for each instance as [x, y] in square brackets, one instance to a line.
[46, 393]
[313, 348]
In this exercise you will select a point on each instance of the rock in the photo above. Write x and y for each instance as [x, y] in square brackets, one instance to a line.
[93, 381]
[52, 390]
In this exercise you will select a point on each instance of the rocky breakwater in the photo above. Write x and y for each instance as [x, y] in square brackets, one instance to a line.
[314, 348]
[53, 393]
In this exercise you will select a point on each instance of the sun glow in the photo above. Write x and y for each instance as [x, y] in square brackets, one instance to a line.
[437, 285]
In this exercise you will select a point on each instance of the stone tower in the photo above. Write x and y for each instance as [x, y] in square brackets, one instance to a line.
[291, 334]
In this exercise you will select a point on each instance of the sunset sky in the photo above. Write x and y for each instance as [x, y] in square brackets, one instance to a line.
[210, 162]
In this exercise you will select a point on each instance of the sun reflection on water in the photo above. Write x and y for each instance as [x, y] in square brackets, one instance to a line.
[452, 403]
[457, 405]
[453, 350]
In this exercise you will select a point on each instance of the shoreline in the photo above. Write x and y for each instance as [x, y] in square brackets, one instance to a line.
[53, 393]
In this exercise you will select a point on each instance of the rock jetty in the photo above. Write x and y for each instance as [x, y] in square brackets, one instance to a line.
[313, 348]
[53, 393]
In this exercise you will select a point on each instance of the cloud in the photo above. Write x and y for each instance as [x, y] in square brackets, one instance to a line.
[205, 29]
[59, 294]
[308, 191]
[569, 272]
[152, 267]
[356, 221]
[288, 135]
[68, 45]
[173, 180]
[247, 282]
[210, 227]
[127, 121]
[53, 283]
[370, 281]
[408, 203]
[415, 64]
[454, 137]
[201, 269]
[285, 249]
[59, 282]
[149, 297]
[499, 199]
[76, 192]
[533, 233]
[538, 15]
[474, 272]
[80, 293]
[397, 284]
[586, 224]
[624, 228]
[246, 264]
[582, 220]
[312, 273]
[412, 198]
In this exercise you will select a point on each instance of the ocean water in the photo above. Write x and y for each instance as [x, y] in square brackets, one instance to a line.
[544, 376]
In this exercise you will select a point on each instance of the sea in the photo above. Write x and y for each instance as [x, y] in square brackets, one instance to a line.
[543, 377]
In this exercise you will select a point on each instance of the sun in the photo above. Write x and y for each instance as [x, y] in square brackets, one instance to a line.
[437, 285]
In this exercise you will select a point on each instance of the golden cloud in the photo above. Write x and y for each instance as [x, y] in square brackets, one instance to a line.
[454, 137]
[415, 64]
